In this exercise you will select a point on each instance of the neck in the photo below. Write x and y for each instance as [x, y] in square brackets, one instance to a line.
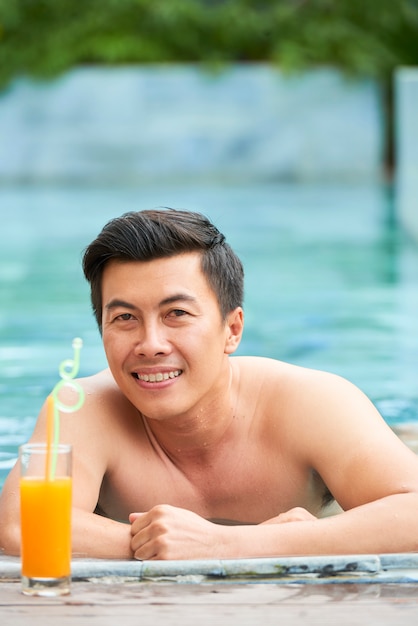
[198, 434]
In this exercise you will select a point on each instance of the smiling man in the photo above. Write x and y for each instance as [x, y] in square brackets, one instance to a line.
[183, 451]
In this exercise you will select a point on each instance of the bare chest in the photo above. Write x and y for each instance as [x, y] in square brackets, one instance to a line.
[245, 488]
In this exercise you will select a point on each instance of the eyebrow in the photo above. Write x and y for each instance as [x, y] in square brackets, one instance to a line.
[116, 303]
[178, 297]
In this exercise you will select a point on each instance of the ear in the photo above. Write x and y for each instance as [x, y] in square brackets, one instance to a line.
[234, 328]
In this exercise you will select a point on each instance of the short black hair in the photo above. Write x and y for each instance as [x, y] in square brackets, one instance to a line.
[158, 233]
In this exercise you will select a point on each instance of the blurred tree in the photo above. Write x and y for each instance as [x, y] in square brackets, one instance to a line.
[43, 38]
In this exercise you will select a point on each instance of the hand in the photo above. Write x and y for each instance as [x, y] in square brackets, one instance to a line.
[298, 514]
[167, 532]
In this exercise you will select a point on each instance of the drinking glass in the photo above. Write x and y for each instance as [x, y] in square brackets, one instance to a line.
[45, 515]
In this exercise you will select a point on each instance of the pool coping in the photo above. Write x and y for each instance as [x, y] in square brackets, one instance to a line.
[388, 568]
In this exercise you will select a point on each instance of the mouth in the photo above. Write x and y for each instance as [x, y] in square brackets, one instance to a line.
[157, 377]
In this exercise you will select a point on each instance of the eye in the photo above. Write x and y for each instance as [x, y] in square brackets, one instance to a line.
[177, 313]
[124, 317]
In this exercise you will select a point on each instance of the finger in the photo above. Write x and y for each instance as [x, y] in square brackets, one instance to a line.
[296, 514]
[144, 553]
[143, 545]
[138, 521]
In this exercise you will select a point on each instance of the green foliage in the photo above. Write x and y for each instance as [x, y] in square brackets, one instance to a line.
[42, 38]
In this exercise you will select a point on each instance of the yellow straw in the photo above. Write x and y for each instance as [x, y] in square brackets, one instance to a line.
[49, 434]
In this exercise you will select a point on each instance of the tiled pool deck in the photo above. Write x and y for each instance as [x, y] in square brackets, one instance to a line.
[371, 589]
[359, 569]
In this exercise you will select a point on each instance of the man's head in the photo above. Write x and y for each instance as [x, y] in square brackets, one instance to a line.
[160, 233]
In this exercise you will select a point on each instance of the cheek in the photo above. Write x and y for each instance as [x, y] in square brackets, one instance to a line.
[114, 348]
[207, 347]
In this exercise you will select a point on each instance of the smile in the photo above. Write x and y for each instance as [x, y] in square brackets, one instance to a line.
[158, 377]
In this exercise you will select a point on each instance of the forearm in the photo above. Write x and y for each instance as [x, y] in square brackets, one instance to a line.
[92, 536]
[387, 525]
[99, 537]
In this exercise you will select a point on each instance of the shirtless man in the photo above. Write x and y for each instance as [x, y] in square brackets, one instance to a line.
[183, 451]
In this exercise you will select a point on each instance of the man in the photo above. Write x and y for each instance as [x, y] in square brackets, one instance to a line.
[183, 451]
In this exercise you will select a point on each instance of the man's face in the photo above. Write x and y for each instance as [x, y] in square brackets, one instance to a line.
[164, 338]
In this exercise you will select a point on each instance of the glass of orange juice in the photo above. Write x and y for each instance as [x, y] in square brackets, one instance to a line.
[45, 517]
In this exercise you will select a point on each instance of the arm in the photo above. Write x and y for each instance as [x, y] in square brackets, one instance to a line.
[388, 525]
[92, 535]
[373, 476]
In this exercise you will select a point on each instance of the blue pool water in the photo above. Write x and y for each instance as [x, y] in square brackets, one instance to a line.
[331, 284]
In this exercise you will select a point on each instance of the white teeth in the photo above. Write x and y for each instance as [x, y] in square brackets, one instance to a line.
[157, 378]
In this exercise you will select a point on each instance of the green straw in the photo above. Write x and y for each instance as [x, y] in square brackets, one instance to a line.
[68, 369]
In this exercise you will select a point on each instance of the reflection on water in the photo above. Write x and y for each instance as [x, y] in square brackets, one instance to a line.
[330, 284]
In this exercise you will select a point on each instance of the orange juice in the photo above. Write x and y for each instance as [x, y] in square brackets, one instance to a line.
[45, 514]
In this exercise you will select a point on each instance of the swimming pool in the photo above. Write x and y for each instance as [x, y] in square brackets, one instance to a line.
[331, 284]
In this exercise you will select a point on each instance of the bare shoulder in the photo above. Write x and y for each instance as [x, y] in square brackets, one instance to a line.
[327, 423]
[304, 400]
[102, 382]
[105, 409]
[278, 377]
[99, 388]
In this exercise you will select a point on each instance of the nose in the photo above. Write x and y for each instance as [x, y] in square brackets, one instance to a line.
[152, 340]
